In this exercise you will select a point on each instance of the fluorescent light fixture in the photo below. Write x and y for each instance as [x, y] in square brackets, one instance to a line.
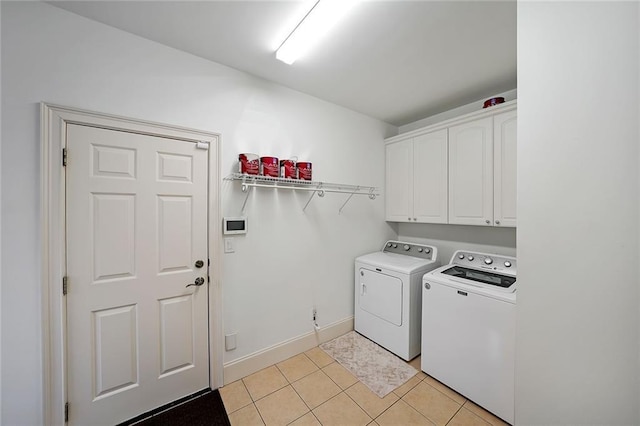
[320, 19]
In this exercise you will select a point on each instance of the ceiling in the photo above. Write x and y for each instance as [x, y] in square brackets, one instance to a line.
[398, 61]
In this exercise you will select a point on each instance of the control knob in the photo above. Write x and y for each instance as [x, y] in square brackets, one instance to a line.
[507, 264]
[395, 246]
[406, 247]
[419, 249]
[470, 258]
[461, 256]
[427, 250]
[388, 244]
[488, 260]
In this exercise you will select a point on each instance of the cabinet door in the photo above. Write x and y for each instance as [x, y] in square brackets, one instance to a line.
[504, 159]
[398, 181]
[471, 173]
[430, 178]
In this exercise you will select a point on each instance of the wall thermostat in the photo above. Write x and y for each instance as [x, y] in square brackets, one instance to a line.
[234, 225]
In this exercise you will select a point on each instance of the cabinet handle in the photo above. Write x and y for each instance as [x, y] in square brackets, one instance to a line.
[497, 222]
[415, 218]
[488, 221]
[409, 219]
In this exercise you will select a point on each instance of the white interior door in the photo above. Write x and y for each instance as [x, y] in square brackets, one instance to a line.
[136, 225]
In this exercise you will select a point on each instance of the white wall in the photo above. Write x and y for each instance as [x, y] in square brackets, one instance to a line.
[287, 262]
[578, 222]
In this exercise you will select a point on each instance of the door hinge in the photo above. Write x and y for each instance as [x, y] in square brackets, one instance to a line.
[208, 279]
[208, 262]
[66, 412]
[65, 281]
[64, 157]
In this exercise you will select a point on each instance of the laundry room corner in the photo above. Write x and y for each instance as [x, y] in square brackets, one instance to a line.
[298, 250]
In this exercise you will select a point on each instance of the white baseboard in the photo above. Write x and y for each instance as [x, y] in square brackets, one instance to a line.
[249, 364]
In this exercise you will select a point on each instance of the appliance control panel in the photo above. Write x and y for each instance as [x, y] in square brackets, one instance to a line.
[493, 262]
[410, 249]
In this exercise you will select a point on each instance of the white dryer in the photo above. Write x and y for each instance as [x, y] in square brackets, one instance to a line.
[388, 295]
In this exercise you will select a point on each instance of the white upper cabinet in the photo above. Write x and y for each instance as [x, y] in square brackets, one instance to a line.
[399, 181]
[504, 168]
[430, 177]
[416, 179]
[471, 173]
[462, 171]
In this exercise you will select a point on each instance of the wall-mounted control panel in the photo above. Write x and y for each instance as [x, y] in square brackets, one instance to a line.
[234, 225]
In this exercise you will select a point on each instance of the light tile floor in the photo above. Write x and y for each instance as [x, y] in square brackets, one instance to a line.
[313, 389]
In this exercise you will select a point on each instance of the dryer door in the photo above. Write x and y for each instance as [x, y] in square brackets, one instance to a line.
[381, 295]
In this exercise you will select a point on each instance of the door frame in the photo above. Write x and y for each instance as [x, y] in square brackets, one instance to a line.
[53, 122]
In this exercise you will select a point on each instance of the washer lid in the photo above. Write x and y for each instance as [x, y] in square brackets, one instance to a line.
[397, 262]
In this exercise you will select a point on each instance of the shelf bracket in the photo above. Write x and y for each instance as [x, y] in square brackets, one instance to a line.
[349, 198]
[318, 191]
[245, 188]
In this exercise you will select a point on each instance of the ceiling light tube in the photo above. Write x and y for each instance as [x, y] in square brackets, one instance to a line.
[320, 19]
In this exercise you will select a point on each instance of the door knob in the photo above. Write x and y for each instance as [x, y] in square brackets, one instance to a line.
[199, 281]
[199, 263]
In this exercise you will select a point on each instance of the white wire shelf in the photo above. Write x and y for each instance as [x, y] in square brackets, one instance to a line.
[315, 187]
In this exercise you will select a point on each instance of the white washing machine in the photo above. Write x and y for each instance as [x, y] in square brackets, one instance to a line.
[388, 296]
[469, 328]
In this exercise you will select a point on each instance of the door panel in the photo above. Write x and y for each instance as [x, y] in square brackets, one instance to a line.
[381, 295]
[172, 167]
[113, 227]
[505, 162]
[176, 334]
[115, 350]
[114, 162]
[398, 182]
[136, 224]
[174, 233]
[430, 177]
[471, 173]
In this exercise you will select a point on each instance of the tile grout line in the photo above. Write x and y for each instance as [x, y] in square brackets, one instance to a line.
[411, 406]
[296, 391]
[244, 385]
[255, 407]
[239, 408]
[454, 415]
[334, 382]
